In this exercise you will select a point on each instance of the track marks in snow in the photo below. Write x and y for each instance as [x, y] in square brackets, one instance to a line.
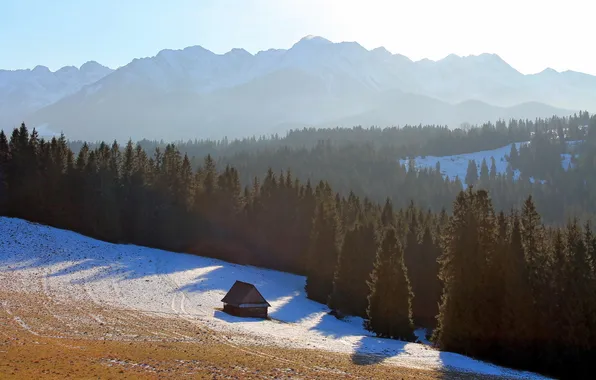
[141, 293]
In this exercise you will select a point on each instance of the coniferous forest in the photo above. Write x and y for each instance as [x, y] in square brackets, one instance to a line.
[503, 271]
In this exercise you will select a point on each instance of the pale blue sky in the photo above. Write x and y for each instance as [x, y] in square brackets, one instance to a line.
[529, 34]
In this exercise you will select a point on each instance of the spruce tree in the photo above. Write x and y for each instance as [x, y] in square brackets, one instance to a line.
[471, 174]
[350, 289]
[514, 157]
[323, 249]
[493, 169]
[576, 295]
[4, 161]
[469, 246]
[389, 303]
[516, 311]
[484, 174]
[427, 292]
[532, 237]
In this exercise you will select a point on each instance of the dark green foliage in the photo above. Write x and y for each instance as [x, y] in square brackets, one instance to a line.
[471, 173]
[389, 303]
[421, 255]
[493, 169]
[426, 285]
[516, 308]
[484, 174]
[469, 247]
[323, 251]
[4, 160]
[350, 288]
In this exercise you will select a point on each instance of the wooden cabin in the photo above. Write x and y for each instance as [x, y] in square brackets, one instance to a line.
[244, 300]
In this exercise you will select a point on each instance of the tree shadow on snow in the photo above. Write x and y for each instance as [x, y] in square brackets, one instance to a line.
[372, 350]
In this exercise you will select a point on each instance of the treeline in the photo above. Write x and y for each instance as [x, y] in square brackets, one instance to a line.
[399, 142]
[365, 161]
[504, 288]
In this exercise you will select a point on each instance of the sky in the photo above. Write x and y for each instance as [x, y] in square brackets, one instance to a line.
[530, 35]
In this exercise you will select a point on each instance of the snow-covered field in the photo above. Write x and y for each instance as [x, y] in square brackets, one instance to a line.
[457, 165]
[69, 265]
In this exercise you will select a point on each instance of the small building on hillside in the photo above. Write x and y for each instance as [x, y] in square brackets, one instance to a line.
[244, 300]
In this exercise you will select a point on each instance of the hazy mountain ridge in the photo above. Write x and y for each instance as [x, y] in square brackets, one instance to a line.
[194, 92]
[26, 91]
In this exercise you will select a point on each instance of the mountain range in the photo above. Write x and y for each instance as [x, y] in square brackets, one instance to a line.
[195, 93]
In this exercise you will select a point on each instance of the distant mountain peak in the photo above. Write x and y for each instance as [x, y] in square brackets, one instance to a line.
[549, 71]
[452, 57]
[41, 69]
[238, 52]
[312, 40]
[92, 66]
[381, 52]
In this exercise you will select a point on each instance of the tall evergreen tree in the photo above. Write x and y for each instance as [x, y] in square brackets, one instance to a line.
[389, 311]
[426, 286]
[470, 242]
[493, 169]
[471, 173]
[350, 289]
[4, 161]
[484, 174]
[323, 249]
[516, 312]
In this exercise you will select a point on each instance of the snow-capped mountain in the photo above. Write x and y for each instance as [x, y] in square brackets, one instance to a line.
[26, 91]
[194, 92]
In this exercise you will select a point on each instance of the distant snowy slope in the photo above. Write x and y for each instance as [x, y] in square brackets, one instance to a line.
[457, 165]
[191, 287]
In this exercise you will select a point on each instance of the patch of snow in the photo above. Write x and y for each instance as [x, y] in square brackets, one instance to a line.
[191, 287]
[457, 165]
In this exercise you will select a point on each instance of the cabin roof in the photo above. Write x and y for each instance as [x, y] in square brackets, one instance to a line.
[244, 293]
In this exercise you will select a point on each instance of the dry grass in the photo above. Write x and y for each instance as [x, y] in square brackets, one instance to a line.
[41, 338]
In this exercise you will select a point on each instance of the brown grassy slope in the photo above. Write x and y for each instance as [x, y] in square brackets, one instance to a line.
[40, 338]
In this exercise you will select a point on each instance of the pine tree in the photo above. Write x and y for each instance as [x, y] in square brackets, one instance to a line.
[493, 169]
[323, 249]
[4, 161]
[576, 294]
[350, 289]
[469, 246]
[516, 312]
[471, 173]
[389, 310]
[535, 255]
[514, 157]
[427, 293]
[484, 174]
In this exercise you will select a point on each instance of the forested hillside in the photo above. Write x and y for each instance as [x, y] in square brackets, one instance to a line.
[366, 162]
[499, 286]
